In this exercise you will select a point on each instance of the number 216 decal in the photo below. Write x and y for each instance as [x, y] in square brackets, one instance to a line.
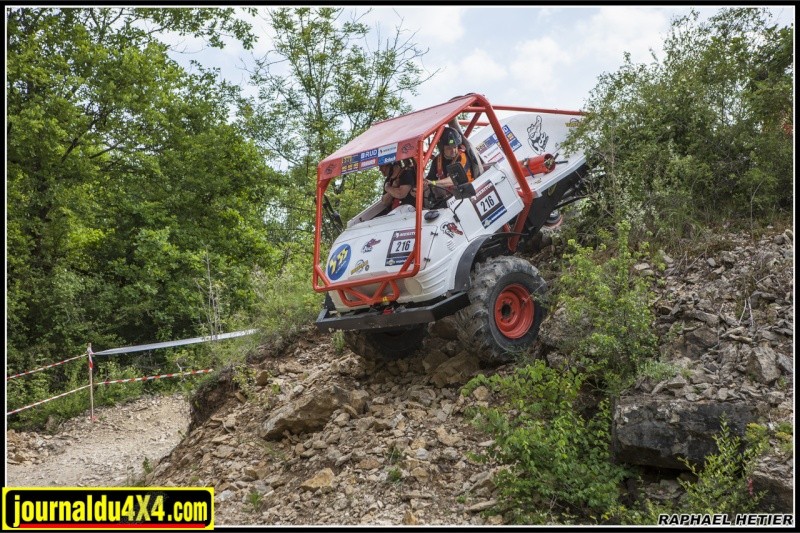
[400, 247]
[487, 204]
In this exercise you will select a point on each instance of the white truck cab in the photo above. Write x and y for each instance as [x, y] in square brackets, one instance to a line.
[388, 276]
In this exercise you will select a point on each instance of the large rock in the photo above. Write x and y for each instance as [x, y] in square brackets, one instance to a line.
[457, 370]
[555, 329]
[696, 342]
[445, 328]
[763, 364]
[307, 414]
[658, 431]
[773, 475]
[321, 480]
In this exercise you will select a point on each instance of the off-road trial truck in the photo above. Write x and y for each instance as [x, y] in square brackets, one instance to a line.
[387, 277]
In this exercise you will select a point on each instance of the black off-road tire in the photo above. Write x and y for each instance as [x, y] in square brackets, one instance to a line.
[386, 345]
[505, 309]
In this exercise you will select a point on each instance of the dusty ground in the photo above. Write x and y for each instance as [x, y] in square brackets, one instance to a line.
[111, 451]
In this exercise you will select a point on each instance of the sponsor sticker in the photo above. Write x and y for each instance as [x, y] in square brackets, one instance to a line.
[369, 163]
[337, 264]
[400, 247]
[487, 204]
[350, 163]
[537, 137]
[490, 148]
[368, 159]
[451, 229]
[388, 149]
[487, 144]
[387, 154]
[512, 139]
[360, 265]
[368, 245]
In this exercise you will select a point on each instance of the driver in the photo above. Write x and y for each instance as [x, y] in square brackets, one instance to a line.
[451, 150]
[400, 178]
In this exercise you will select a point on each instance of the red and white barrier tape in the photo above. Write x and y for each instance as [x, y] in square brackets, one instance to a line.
[89, 353]
[207, 370]
[45, 401]
[155, 377]
[44, 367]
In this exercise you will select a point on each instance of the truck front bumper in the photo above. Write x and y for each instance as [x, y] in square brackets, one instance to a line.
[400, 316]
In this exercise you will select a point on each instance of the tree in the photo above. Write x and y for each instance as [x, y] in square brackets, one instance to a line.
[126, 179]
[323, 84]
[702, 133]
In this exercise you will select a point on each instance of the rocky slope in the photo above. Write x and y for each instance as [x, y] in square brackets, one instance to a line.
[308, 433]
[321, 437]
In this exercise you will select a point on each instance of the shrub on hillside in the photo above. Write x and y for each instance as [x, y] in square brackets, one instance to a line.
[703, 132]
[559, 467]
[608, 310]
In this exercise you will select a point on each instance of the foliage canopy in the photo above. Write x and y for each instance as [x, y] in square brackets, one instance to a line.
[141, 206]
[703, 133]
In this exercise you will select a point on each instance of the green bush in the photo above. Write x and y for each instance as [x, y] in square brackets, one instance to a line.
[286, 300]
[724, 485]
[559, 464]
[114, 393]
[657, 371]
[608, 311]
[337, 341]
[701, 133]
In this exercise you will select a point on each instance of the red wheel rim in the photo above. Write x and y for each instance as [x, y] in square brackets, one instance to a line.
[513, 311]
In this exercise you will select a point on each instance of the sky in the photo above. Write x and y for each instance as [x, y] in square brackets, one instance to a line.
[522, 56]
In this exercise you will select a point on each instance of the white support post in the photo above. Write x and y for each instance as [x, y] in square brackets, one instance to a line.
[91, 387]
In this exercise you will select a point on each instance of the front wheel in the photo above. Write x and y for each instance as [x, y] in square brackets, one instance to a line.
[386, 345]
[505, 309]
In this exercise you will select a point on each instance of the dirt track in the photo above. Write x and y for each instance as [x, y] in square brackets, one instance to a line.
[108, 452]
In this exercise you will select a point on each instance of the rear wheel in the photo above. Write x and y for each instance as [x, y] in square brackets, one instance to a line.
[505, 309]
[386, 345]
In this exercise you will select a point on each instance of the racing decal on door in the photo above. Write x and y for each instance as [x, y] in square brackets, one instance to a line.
[368, 245]
[400, 247]
[338, 261]
[487, 204]
[450, 229]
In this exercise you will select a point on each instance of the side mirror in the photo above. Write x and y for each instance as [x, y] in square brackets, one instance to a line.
[464, 189]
